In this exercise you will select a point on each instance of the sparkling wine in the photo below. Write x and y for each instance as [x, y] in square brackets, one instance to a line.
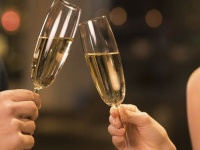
[107, 74]
[48, 59]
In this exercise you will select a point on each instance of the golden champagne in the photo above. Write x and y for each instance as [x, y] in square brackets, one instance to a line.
[107, 74]
[48, 59]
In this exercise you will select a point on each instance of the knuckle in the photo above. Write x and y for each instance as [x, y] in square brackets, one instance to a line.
[32, 141]
[18, 142]
[33, 108]
[33, 126]
[9, 108]
[15, 123]
[145, 117]
[110, 128]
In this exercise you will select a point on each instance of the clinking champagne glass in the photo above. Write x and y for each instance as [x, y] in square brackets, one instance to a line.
[54, 43]
[104, 62]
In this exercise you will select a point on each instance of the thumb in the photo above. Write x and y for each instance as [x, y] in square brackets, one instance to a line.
[132, 115]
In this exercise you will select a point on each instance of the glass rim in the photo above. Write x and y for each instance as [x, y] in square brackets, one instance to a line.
[70, 5]
[93, 19]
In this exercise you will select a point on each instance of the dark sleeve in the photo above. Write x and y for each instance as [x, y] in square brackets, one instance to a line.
[3, 77]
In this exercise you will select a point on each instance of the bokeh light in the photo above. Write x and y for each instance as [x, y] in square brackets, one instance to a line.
[179, 54]
[10, 20]
[118, 16]
[153, 18]
[141, 48]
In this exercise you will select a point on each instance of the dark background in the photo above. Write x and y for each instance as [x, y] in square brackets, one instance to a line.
[157, 63]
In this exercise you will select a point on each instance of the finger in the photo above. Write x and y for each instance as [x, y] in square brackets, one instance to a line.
[26, 109]
[118, 142]
[27, 127]
[114, 111]
[32, 97]
[138, 118]
[27, 141]
[116, 132]
[116, 122]
[126, 111]
[129, 107]
[21, 95]
[23, 139]
[37, 100]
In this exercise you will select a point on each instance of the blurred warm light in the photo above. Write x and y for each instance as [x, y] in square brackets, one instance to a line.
[3, 45]
[10, 20]
[179, 54]
[141, 48]
[118, 16]
[153, 18]
[102, 12]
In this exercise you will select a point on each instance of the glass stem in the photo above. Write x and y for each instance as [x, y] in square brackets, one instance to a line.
[36, 91]
[127, 141]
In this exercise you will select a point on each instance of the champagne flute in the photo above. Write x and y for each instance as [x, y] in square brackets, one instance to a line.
[54, 43]
[104, 62]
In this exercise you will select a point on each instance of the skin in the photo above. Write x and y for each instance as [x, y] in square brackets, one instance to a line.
[193, 108]
[18, 111]
[144, 132]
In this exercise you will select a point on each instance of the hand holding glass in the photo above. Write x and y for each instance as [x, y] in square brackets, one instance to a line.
[103, 59]
[54, 43]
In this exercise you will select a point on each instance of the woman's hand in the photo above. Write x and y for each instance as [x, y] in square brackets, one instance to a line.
[143, 131]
